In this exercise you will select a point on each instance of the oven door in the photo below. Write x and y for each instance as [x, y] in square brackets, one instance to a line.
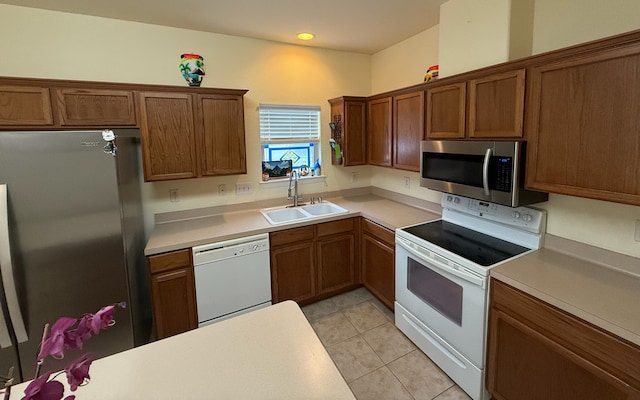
[448, 299]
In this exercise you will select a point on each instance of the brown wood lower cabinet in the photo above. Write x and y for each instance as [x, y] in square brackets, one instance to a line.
[378, 261]
[173, 293]
[293, 265]
[314, 262]
[537, 351]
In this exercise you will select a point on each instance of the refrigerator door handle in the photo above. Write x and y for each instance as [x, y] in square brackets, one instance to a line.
[6, 269]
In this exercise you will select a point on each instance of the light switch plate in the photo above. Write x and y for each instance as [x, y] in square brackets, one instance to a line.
[637, 236]
[243, 188]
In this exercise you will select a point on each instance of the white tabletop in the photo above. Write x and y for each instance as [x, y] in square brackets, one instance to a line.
[272, 353]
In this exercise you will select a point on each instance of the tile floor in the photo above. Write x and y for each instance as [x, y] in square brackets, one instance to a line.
[374, 357]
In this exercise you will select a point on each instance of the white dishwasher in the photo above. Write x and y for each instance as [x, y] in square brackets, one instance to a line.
[232, 277]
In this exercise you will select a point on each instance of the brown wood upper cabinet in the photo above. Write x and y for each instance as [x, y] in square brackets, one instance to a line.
[379, 131]
[22, 106]
[583, 127]
[486, 107]
[349, 114]
[446, 111]
[168, 136]
[496, 105]
[220, 132]
[408, 130]
[173, 293]
[536, 351]
[182, 140]
[94, 107]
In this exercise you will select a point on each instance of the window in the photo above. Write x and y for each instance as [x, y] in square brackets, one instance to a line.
[290, 132]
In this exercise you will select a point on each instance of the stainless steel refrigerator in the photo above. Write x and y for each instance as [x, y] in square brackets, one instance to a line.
[71, 241]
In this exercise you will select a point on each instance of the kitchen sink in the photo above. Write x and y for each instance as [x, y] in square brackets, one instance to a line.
[325, 208]
[286, 214]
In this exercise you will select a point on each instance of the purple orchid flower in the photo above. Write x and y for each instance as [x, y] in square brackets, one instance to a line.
[102, 319]
[54, 343]
[40, 389]
[78, 372]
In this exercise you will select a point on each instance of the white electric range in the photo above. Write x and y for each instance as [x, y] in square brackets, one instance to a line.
[442, 276]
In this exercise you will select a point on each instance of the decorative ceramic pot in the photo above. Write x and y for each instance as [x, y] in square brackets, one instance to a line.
[192, 68]
[432, 73]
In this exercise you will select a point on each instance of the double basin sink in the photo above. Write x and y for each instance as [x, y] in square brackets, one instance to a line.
[287, 214]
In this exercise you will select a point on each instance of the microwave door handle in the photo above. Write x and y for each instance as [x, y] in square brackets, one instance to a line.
[6, 271]
[485, 171]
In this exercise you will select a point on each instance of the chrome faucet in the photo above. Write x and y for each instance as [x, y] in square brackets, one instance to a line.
[295, 197]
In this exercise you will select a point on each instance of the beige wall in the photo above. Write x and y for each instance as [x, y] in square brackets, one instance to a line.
[390, 69]
[473, 34]
[46, 44]
[567, 22]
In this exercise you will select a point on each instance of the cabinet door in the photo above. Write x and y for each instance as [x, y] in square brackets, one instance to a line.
[25, 105]
[168, 137]
[293, 272]
[351, 133]
[336, 263]
[91, 107]
[529, 366]
[583, 126]
[378, 262]
[173, 295]
[408, 130]
[496, 106]
[220, 123]
[445, 111]
[379, 134]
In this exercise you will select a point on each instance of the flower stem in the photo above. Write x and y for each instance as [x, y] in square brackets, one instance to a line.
[45, 333]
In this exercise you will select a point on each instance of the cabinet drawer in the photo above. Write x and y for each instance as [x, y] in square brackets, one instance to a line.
[168, 261]
[291, 236]
[331, 228]
[614, 355]
[386, 235]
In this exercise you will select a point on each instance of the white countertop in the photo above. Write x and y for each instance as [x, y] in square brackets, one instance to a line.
[605, 295]
[188, 232]
[271, 353]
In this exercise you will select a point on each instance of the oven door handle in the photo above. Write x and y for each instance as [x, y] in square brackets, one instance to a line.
[485, 171]
[460, 273]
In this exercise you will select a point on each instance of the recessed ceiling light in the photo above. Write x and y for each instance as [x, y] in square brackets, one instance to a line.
[306, 36]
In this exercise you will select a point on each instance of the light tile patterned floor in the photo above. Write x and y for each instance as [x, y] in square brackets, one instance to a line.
[375, 358]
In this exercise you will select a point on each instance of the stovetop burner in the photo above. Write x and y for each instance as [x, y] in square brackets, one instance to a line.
[476, 247]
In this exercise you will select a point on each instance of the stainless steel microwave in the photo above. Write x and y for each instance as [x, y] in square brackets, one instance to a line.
[492, 171]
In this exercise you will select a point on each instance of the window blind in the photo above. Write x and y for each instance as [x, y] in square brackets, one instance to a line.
[287, 123]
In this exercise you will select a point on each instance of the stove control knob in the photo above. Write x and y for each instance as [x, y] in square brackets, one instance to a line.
[527, 218]
[449, 198]
[456, 200]
[515, 214]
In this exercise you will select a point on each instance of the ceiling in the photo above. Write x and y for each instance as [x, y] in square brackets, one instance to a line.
[361, 26]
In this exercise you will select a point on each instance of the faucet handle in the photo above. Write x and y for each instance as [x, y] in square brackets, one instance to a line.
[319, 199]
[312, 200]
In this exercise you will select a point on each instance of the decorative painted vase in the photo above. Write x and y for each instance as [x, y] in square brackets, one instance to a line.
[432, 73]
[192, 68]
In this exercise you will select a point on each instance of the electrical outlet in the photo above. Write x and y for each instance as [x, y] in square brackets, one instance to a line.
[407, 182]
[243, 188]
[174, 195]
[637, 236]
[354, 177]
[222, 189]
